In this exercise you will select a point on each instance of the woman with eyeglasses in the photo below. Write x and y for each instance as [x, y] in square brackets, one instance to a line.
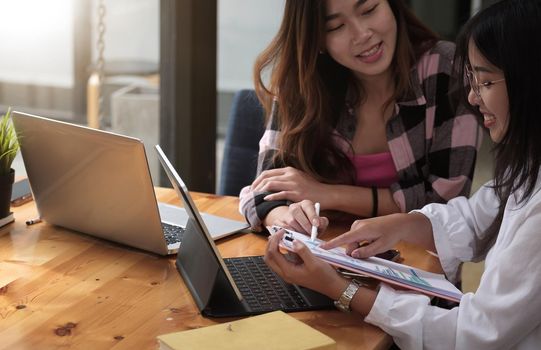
[499, 50]
[360, 117]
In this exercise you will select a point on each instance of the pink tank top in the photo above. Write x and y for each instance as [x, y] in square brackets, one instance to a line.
[374, 169]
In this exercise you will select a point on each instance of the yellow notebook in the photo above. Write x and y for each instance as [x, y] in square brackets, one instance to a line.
[275, 330]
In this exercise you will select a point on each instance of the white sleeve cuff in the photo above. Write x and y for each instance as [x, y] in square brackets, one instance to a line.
[400, 314]
[443, 240]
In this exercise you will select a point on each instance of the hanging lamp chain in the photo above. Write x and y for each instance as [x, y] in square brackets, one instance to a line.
[100, 64]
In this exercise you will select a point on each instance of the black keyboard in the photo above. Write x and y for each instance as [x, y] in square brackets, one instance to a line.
[262, 289]
[173, 234]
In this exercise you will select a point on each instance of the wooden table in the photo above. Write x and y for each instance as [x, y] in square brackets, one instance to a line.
[62, 289]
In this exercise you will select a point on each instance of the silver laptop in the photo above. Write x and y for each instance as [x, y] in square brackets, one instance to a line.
[99, 183]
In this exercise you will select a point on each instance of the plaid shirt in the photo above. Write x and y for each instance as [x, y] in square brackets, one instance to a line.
[433, 144]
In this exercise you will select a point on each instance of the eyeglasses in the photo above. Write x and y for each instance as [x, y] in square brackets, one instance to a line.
[476, 85]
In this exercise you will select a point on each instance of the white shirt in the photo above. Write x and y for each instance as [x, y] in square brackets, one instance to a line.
[505, 311]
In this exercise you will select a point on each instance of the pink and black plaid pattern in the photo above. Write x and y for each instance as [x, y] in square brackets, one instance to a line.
[433, 142]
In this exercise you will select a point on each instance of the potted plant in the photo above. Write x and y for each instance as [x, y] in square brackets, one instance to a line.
[9, 146]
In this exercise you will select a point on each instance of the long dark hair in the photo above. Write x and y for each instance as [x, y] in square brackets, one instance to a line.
[311, 87]
[508, 35]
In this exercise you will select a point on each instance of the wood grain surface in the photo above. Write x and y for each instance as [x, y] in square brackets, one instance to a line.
[62, 289]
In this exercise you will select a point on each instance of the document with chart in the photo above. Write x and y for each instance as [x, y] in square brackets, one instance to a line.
[393, 273]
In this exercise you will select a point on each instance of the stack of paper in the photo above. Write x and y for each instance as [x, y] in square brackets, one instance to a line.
[394, 273]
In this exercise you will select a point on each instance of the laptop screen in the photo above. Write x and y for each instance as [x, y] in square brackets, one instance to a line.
[92, 181]
[199, 257]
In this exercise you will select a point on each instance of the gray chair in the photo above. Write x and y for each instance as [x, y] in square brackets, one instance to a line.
[245, 128]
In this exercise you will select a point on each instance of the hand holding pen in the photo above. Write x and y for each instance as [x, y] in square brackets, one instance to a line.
[299, 217]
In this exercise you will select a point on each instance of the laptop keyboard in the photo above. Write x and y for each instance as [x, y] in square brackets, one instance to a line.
[173, 234]
[262, 289]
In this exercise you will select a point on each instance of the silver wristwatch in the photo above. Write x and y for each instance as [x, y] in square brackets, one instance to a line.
[343, 302]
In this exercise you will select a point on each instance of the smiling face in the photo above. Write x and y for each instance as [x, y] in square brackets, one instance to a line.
[361, 35]
[493, 102]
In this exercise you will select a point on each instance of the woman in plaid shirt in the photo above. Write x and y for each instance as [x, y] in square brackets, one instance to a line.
[360, 116]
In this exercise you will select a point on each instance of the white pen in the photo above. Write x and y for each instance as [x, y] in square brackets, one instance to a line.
[33, 221]
[313, 234]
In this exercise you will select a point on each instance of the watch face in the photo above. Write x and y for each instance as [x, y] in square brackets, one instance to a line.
[343, 302]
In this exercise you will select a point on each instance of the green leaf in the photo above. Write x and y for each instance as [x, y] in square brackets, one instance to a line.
[9, 143]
